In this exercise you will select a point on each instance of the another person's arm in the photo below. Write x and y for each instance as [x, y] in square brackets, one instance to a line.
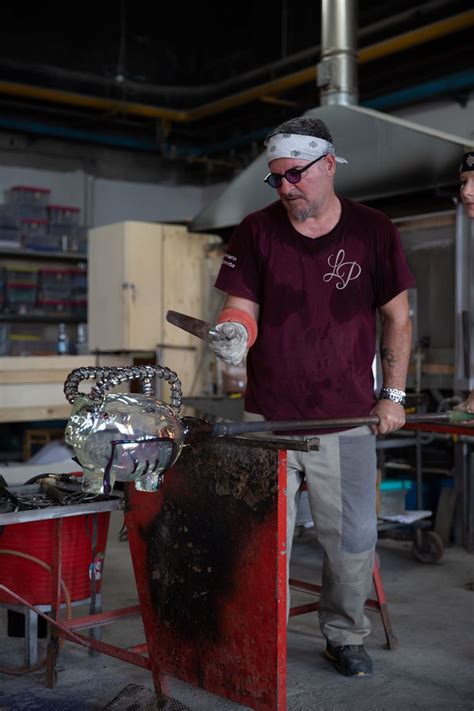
[468, 404]
[395, 349]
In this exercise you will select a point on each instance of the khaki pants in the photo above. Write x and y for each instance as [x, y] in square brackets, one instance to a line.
[341, 482]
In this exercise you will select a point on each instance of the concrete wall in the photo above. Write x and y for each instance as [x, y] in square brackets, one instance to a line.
[104, 201]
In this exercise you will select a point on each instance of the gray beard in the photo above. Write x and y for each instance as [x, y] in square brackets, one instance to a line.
[301, 213]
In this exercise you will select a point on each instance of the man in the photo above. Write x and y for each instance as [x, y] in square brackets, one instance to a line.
[466, 176]
[305, 278]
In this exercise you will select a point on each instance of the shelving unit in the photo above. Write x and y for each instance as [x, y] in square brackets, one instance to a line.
[46, 256]
[38, 341]
[43, 273]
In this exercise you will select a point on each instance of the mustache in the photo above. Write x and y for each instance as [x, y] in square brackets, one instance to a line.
[293, 194]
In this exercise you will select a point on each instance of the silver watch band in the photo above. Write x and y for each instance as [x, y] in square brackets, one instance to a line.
[393, 394]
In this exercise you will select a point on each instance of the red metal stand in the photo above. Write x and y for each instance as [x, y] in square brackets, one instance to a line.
[209, 554]
[380, 604]
[67, 629]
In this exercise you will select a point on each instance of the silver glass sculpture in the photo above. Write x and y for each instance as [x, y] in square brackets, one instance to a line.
[123, 437]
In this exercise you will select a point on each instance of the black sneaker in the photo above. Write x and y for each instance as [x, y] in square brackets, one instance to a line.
[350, 659]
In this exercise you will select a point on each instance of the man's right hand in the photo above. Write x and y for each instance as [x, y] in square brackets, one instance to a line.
[229, 341]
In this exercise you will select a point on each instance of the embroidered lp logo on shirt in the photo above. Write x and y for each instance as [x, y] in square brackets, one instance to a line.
[343, 271]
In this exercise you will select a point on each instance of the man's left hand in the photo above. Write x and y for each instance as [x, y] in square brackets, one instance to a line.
[467, 405]
[392, 416]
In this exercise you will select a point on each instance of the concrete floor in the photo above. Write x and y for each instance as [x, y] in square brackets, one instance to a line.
[432, 612]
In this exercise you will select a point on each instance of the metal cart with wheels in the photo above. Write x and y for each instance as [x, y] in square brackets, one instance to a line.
[427, 545]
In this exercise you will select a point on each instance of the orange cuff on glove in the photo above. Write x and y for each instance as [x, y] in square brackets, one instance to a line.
[233, 314]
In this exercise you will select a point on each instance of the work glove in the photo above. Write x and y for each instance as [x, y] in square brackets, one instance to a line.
[229, 341]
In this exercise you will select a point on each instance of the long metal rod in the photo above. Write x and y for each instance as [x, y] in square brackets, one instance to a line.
[233, 428]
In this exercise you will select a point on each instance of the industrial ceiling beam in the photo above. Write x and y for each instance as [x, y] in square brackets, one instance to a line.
[376, 51]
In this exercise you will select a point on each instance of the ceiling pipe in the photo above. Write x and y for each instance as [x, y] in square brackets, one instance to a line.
[443, 85]
[337, 70]
[452, 84]
[379, 50]
[199, 92]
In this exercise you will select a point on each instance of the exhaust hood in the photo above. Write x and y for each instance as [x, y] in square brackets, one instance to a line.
[387, 156]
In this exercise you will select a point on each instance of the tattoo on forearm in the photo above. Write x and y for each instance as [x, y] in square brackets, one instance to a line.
[388, 356]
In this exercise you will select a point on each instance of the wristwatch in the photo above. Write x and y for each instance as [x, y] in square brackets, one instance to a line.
[394, 395]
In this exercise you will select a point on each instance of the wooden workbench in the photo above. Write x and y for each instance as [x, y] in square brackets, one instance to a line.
[31, 387]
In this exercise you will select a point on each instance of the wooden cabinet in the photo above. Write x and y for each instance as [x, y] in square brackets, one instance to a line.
[137, 271]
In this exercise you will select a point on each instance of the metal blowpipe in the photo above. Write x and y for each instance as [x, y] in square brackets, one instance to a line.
[135, 437]
[221, 429]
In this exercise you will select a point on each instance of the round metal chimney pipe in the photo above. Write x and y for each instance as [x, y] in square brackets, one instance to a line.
[337, 70]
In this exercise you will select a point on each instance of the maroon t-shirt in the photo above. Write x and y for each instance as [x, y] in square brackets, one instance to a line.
[318, 300]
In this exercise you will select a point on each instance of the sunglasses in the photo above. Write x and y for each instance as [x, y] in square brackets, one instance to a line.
[292, 175]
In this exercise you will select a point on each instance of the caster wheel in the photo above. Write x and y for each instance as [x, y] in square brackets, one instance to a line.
[429, 547]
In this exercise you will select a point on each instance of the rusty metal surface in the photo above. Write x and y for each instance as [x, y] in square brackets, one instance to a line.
[209, 555]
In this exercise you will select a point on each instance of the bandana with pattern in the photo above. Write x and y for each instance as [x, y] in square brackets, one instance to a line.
[467, 162]
[292, 145]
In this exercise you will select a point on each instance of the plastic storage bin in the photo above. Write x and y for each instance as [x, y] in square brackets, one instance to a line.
[21, 194]
[62, 215]
[53, 278]
[10, 236]
[20, 299]
[43, 242]
[20, 292]
[55, 289]
[34, 234]
[8, 217]
[27, 201]
[21, 277]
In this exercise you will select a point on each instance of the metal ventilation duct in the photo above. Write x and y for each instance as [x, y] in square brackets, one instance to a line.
[387, 156]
